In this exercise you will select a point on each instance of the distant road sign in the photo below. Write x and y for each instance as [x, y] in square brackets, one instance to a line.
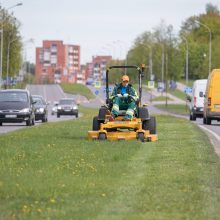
[97, 84]
[151, 84]
[96, 92]
[109, 89]
[188, 90]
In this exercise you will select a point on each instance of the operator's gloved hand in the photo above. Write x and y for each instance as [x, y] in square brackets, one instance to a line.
[119, 95]
[125, 95]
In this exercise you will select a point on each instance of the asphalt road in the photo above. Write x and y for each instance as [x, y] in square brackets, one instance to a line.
[51, 93]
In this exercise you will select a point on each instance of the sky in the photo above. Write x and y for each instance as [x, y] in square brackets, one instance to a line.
[100, 27]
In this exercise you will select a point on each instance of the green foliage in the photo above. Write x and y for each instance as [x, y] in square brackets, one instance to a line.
[160, 43]
[175, 108]
[12, 43]
[162, 40]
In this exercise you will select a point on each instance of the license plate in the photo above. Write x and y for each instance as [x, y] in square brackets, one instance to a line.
[217, 106]
[11, 116]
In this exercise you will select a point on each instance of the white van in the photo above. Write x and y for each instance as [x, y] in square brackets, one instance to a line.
[197, 100]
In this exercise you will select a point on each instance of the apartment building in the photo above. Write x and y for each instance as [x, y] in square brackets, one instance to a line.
[99, 66]
[57, 62]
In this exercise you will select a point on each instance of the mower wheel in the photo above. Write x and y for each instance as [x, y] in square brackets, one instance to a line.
[102, 113]
[150, 125]
[96, 124]
[141, 137]
[143, 113]
[102, 136]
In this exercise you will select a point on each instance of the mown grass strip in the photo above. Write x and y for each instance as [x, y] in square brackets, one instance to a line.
[53, 172]
[77, 89]
[179, 94]
[174, 108]
[190, 82]
[161, 98]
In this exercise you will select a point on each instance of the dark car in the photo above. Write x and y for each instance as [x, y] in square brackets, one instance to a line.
[16, 105]
[67, 106]
[41, 111]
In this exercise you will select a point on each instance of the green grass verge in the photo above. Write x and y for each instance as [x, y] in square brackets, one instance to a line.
[174, 108]
[161, 98]
[53, 172]
[77, 89]
[179, 94]
[190, 82]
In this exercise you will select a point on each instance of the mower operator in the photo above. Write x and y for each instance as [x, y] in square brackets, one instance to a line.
[124, 97]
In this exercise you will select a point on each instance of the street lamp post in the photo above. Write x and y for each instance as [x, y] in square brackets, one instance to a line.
[210, 43]
[8, 53]
[162, 65]
[24, 65]
[187, 60]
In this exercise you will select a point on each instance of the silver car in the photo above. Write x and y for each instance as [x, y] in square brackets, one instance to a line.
[67, 106]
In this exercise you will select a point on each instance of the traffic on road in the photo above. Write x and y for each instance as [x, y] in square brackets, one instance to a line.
[34, 106]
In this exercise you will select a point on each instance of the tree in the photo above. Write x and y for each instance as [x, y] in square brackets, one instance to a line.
[12, 43]
[160, 42]
[211, 9]
[198, 37]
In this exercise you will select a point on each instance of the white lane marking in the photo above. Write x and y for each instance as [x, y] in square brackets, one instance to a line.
[44, 91]
[64, 95]
[211, 132]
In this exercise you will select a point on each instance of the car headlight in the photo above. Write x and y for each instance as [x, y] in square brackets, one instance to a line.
[75, 107]
[25, 110]
[59, 107]
[40, 110]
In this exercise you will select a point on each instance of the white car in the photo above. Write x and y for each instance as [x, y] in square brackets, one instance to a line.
[54, 108]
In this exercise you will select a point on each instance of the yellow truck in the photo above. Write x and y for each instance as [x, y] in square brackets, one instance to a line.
[212, 98]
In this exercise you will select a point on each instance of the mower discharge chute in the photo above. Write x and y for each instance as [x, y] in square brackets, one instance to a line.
[141, 127]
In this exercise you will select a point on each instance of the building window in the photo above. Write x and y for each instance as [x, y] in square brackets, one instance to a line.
[46, 54]
[53, 49]
[41, 56]
[53, 59]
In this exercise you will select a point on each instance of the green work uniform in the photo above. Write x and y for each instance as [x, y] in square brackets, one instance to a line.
[122, 103]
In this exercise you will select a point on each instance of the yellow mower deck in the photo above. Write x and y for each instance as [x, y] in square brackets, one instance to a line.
[132, 132]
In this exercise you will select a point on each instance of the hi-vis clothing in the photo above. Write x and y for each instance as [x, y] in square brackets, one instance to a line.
[124, 103]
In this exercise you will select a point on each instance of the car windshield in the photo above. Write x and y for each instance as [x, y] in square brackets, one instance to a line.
[66, 102]
[13, 97]
[38, 101]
